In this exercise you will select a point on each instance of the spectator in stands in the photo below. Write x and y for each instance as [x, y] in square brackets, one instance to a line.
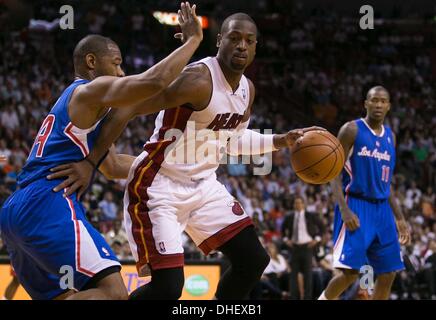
[301, 232]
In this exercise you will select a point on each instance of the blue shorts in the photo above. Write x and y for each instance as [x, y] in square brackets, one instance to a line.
[375, 243]
[44, 232]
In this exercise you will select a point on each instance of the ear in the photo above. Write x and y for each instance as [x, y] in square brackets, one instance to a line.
[90, 60]
[219, 37]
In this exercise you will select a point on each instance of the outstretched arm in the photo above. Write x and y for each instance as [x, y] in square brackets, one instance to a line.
[114, 166]
[119, 92]
[255, 143]
[192, 87]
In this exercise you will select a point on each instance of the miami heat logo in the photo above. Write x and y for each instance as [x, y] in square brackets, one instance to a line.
[237, 209]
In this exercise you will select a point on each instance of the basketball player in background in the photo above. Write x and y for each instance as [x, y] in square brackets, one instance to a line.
[163, 198]
[365, 229]
[45, 232]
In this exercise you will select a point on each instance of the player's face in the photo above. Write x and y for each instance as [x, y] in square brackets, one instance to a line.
[110, 63]
[237, 45]
[377, 105]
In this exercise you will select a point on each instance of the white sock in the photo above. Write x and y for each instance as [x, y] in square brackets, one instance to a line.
[3, 298]
[322, 296]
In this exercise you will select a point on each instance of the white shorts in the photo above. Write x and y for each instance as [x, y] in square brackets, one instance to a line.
[157, 209]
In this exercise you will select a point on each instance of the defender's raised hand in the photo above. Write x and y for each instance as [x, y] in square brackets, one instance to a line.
[189, 23]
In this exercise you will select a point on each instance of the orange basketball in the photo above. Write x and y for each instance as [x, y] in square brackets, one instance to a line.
[317, 157]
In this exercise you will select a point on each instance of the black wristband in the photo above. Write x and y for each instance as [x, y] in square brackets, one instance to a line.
[91, 163]
[102, 159]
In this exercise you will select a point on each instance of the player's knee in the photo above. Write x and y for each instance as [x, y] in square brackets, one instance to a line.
[386, 277]
[167, 284]
[254, 266]
[112, 287]
[263, 261]
[118, 293]
[350, 275]
[173, 292]
[114, 290]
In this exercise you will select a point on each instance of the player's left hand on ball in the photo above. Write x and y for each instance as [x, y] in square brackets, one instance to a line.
[403, 232]
[314, 128]
[292, 136]
[78, 177]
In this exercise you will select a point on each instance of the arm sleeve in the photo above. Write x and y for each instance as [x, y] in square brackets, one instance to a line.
[251, 143]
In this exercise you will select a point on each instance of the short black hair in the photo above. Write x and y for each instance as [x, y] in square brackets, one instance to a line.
[92, 43]
[236, 16]
[378, 88]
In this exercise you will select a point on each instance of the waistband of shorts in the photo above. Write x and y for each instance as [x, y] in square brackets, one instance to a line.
[371, 200]
[187, 180]
[42, 182]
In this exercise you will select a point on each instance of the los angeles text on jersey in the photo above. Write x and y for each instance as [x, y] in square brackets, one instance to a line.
[219, 309]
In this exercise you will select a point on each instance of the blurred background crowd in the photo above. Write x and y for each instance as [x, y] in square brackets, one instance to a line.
[313, 67]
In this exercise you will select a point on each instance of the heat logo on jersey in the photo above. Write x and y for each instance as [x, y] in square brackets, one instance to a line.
[225, 121]
[364, 152]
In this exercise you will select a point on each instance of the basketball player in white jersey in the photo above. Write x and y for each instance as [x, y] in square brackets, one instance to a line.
[165, 197]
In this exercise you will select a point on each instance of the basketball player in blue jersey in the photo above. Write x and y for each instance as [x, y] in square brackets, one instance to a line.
[367, 212]
[47, 235]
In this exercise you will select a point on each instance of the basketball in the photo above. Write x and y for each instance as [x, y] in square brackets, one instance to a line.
[317, 157]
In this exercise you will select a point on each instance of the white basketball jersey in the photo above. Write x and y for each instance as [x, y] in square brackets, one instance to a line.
[195, 141]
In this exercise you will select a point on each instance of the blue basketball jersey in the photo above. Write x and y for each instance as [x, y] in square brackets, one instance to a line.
[368, 171]
[58, 140]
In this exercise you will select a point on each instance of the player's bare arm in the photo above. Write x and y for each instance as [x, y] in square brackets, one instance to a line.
[114, 166]
[193, 88]
[90, 100]
[347, 135]
[268, 143]
[402, 225]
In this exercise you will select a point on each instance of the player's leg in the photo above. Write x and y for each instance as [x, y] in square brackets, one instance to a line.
[29, 273]
[248, 259]
[221, 224]
[339, 283]
[384, 254]
[107, 285]
[383, 285]
[349, 252]
[154, 218]
[55, 250]
[96, 270]
[166, 284]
